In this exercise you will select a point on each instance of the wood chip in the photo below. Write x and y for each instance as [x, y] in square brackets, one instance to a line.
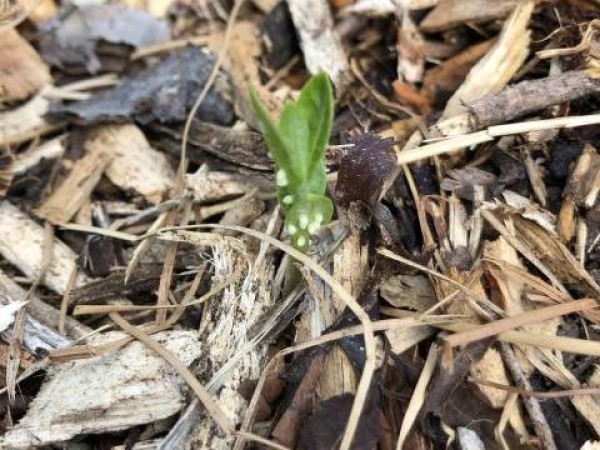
[75, 190]
[24, 72]
[134, 165]
[320, 44]
[21, 243]
[132, 386]
[452, 13]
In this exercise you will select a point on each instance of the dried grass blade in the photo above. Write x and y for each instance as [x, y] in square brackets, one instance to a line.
[539, 315]
[418, 397]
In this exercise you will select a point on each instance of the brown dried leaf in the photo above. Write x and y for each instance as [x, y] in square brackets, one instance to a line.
[366, 171]
[323, 429]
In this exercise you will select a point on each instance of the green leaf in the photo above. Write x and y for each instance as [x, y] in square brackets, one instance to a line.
[305, 125]
[275, 143]
[298, 144]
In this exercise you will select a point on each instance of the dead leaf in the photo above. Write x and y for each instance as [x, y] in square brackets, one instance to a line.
[324, 428]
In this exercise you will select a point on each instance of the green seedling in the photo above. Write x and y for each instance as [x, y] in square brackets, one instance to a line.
[297, 145]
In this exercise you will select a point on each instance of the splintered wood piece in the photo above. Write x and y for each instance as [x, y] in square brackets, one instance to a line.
[22, 244]
[51, 149]
[589, 405]
[134, 166]
[229, 355]
[452, 13]
[37, 334]
[131, 386]
[491, 368]
[445, 78]
[26, 122]
[496, 327]
[376, 8]
[320, 43]
[495, 69]
[536, 178]
[47, 315]
[24, 72]
[556, 256]
[211, 186]
[583, 185]
[350, 268]
[66, 200]
[411, 60]
[41, 10]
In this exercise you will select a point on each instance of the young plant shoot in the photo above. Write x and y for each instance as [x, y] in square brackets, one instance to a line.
[297, 145]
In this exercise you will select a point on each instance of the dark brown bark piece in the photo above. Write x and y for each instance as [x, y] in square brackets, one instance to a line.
[144, 280]
[78, 39]
[324, 429]
[163, 93]
[241, 147]
[279, 36]
[530, 96]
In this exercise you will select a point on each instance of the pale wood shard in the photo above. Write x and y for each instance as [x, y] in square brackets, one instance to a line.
[229, 355]
[491, 368]
[158, 8]
[22, 244]
[350, 267]
[24, 72]
[134, 166]
[26, 121]
[265, 5]
[404, 338]
[411, 60]
[47, 315]
[42, 10]
[49, 150]
[495, 69]
[130, 387]
[580, 193]
[37, 334]
[76, 189]
[452, 13]
[448, 76]
[320, 44]
[376, 8]
[211, 186]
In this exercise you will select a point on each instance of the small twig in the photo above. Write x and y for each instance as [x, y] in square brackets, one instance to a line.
[536, 394]
[527, 318]
[418, 397]
[64, 303]
[532, 405]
